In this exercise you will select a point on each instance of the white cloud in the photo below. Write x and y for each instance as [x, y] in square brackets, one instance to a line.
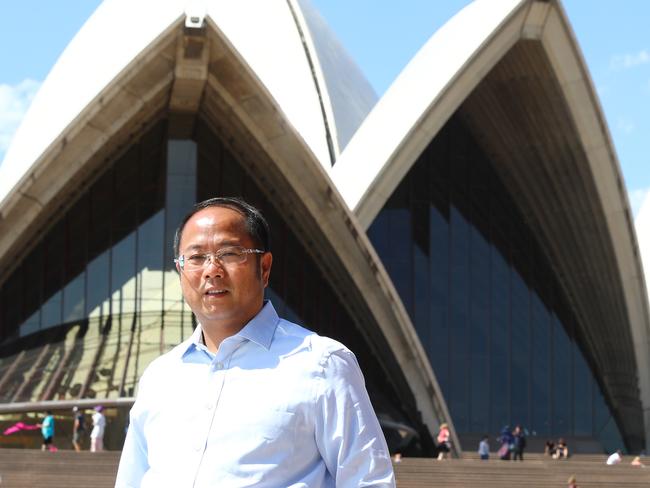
[626, 61]
[14, 101]
[637, 198]
[625, 125]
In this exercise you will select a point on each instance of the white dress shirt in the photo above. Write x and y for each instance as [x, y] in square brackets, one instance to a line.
[277, 406]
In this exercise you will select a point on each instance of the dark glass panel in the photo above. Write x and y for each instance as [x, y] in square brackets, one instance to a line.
[31, 324]
[152, 177]
[54, 260]
[152, 148]
[51, 311]
[541, 367]
[151, 244]
[125, 203]
[101, 201]
[278, 283]
[421, 301]
[12, 313]
[210, 156]
[438, 346]
[479, 333]
[293, 274]
[562, 375]
[180, 197]
[378, 233]
[32, 294]
[151, 193]
[74, 293]
[233, 178]
[123, 275]
[180, 191]
[459, 291]
[610, 436]
[74, 298]
[54, 247]
[520, 340]
[499, 341]
[601, 412]
[98, 288]
[400, 266]
[420, 252]
[582, 381]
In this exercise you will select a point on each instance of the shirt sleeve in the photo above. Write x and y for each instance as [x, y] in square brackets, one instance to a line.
[347, 431]
[133, 462]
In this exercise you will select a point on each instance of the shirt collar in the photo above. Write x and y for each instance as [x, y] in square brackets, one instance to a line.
[260, 330]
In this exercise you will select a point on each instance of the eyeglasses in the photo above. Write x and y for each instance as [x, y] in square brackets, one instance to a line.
[224, 257]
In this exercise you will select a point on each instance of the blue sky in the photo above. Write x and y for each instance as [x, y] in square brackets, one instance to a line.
[382, 36]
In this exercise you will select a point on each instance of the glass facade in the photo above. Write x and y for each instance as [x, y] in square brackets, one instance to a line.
[97, 297]
[95, 301]
[501, 340]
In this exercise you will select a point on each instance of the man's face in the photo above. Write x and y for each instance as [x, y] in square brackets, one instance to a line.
[220, 295]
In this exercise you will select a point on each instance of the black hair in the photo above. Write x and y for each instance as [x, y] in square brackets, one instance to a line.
[256, 225]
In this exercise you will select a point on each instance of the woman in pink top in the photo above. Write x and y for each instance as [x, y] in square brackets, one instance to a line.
[443, 441]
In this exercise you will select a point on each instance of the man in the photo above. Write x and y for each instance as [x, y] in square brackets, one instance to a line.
[97, 434]
[249, 399]
[78, 428]
[519, 443]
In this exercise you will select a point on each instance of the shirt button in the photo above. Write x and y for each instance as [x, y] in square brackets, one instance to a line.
[218, 365]
[209, 406]
[198, 447]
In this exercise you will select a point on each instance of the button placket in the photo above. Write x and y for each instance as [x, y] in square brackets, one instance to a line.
[216, 375]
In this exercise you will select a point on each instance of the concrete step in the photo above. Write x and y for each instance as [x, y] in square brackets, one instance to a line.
[27, 468]
[541, 472]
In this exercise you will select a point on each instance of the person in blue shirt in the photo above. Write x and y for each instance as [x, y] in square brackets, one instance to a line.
[250, 399]
[484, 448]
[47, 431]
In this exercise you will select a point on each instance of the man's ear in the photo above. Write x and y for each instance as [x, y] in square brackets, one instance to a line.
[265, 264]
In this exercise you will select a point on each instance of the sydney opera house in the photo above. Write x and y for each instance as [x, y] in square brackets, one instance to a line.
[468, 234]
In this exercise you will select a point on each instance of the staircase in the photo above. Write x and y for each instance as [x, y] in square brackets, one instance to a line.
[27, 468]
[30, 468]
[537, 471]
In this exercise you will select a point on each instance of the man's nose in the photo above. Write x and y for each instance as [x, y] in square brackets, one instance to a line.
[213, 267]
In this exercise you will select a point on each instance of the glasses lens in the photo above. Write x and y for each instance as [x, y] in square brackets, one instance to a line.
[196, 261]
[231, 255]
[225, 256]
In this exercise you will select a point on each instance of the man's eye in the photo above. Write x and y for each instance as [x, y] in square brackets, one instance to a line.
[196, 258]
[229, 253]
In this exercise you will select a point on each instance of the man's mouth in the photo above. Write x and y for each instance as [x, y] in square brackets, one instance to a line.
[214, 293]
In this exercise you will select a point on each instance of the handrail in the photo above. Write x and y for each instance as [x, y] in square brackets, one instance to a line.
[86, 403]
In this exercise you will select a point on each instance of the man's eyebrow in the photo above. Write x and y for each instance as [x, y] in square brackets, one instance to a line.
[229, 243]
[193, 247]
[199, 247]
